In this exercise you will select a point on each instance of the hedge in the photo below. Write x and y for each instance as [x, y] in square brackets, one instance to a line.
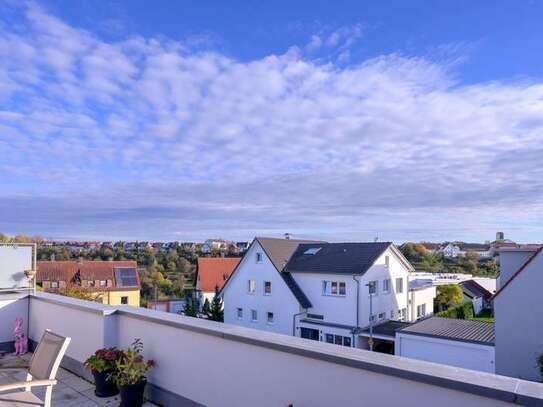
[462, 311]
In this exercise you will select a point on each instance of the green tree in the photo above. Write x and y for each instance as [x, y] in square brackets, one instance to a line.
[216, 312]
[448, 295]
[540, 365]
[191, 308]
[206, 310]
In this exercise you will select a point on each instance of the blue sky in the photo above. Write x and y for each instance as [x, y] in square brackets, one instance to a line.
[186, 120]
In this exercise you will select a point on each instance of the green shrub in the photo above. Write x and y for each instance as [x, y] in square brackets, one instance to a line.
[462, 311]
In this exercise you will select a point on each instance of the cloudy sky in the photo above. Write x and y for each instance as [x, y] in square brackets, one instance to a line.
[154, 121]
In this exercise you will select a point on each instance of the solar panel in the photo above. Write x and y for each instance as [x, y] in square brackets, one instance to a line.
[126, 277]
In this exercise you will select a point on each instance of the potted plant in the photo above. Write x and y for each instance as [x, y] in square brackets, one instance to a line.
[130, 375]
[102, 365]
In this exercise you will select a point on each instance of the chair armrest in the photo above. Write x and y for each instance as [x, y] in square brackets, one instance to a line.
[31, 383]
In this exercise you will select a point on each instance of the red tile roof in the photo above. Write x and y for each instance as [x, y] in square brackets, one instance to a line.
[88, 270]
[214, 271]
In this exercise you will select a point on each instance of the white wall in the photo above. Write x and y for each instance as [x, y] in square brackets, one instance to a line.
[518, 312]
[256, 368]
[421, 296]
[454, 353]
[510, 262]
[12, 306]
[87, 326]
[281, 301]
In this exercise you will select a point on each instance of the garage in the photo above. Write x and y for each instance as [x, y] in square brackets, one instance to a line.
[457, 342]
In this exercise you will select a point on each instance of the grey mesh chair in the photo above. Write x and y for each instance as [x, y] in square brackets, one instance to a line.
[43, 369]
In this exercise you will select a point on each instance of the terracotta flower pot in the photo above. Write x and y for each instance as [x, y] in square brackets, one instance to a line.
[104, 387]
[132, 394]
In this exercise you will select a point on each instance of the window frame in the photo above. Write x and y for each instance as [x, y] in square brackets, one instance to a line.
[334, 288]
[375, 285]
[400, 285]
[123, 298]
[388, 284]
[254, 315]
[259, 257]
[251, 287]
[268, 321]
[239, 313]
[55, 284]
[265, 291]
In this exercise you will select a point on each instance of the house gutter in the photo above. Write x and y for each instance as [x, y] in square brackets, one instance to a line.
[294, 321]
[357, 308]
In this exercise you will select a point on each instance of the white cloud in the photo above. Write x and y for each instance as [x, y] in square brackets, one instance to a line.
[154, 138]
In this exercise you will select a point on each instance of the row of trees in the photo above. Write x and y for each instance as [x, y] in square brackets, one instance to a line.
[423, 260]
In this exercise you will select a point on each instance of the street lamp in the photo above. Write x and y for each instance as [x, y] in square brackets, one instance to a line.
[371, 289]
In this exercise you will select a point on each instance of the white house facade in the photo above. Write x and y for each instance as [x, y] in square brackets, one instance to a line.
[321, 291]
[518, 313]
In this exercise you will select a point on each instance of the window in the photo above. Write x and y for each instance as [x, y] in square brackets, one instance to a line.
[372, 287]
[336, 288]
[399, 285]
[386, 285]
[387, 261]
[338, 339]
[421, 310]
[54, 284]
[254, 315]
[315, 316]
[372, 318]
[392, 314]
[103, 283]
[402, 314]
[258, 257]
[382, 315]
[269, 317]
[267, 287]
[239, 312]
[251, 286]
[124, 300]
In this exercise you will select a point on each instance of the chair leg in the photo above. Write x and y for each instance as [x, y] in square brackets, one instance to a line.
[28, 379]
[47, 398]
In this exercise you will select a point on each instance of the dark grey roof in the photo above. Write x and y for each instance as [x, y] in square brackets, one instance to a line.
[280, 250]
[474, 288]
[336, 258]
[296, 290]
[330, 324]
[456, 329]
[387, 328]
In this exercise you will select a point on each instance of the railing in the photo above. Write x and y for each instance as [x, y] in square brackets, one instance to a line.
[200, 362]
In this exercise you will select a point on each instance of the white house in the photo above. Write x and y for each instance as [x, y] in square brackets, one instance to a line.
[320, 290]
[518, 314]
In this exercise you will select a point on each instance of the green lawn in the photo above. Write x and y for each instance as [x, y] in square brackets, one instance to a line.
[484, 316]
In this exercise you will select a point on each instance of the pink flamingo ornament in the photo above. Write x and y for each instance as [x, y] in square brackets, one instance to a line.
[21, 341]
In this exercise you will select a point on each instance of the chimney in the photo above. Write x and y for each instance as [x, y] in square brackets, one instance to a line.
[287, 236]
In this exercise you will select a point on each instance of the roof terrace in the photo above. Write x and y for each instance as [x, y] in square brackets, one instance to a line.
[207, 363]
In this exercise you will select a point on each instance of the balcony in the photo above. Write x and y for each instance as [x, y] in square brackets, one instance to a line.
[206, 363]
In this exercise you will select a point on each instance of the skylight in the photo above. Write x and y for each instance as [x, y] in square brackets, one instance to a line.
[313, 250]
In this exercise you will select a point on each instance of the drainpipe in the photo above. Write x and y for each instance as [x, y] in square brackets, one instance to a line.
[357, 307]
[294, 321]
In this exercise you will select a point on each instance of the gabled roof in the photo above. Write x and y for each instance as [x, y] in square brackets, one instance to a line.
[214, 271]
[475, 288]
[465, 330]
[280, 250]
[336, 258]
[86, 270]
[296, 290]
[520, 270]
